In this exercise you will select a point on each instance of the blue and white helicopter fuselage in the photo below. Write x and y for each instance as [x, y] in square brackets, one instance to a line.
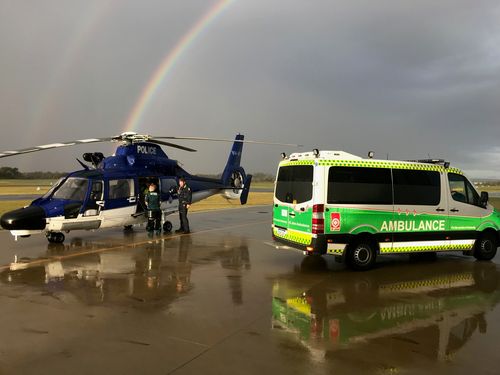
[111, 193]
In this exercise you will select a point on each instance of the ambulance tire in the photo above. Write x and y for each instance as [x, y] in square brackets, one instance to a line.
[486, 247]
[361, 255]
[128, 228]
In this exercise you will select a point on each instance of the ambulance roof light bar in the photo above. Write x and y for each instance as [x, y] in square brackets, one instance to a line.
[445, 163]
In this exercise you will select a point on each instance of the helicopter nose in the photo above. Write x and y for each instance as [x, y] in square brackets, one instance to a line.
[27, 218]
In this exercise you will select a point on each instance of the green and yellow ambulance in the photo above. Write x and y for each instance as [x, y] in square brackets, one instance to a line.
[333, 202]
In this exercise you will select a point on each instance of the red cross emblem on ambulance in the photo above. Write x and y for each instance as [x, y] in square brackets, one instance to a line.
[335, 221]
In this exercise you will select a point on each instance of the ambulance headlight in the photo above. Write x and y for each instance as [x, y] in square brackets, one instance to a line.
[316, 152]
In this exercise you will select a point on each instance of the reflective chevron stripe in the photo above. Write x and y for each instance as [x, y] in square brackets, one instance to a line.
[335, 248]
[293, 236]
[408, 247]
[373, 164]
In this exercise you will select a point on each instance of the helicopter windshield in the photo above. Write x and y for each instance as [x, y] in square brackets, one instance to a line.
[73, 188]
[53, 188]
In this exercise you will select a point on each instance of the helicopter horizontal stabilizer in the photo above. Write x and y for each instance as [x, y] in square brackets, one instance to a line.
[246, 189]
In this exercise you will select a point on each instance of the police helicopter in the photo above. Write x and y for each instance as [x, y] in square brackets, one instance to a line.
[109, 191]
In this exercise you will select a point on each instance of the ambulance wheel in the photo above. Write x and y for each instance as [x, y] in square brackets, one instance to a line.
[128, 228]
[486, 247]
[55, 237]
[167, 226]
[361, 255]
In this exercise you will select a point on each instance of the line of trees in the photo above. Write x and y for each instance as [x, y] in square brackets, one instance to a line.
[14, 173]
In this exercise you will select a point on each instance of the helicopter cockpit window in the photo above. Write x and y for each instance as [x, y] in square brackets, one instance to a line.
[123, 188]
[73, 188]
[53, 188]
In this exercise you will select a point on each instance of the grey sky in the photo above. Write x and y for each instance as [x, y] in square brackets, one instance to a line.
[403, 78]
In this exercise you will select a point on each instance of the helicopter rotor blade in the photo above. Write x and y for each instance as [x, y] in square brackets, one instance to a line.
[227, 140]
[152, 140]
[5, 154]
[130, 138]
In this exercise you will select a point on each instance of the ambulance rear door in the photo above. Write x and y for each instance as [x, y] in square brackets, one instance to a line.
[293, 198]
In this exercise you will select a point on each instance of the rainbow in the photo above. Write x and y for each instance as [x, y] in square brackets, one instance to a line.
[169, 62]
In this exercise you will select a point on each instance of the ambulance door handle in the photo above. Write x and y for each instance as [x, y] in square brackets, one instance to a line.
[132, 199]
[292, 214]
[440, 209]
[454, 210]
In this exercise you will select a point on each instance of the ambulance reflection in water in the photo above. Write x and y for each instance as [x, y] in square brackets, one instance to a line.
[428, 310]
[150, 276]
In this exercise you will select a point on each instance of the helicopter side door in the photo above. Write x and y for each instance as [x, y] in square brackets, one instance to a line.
[121, 201]
[143, 187]
[94, 203]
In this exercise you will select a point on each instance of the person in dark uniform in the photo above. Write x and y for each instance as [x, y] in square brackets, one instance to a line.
[152, 200]
[185, 196]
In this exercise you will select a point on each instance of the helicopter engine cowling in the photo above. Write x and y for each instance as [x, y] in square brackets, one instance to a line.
[236, 181]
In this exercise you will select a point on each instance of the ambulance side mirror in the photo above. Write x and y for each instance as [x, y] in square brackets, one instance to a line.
[484, 198]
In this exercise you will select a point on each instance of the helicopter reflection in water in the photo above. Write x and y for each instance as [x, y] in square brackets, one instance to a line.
[428, 310]
[151, 275]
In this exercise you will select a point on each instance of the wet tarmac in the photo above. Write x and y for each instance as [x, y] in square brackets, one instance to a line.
[223, 300]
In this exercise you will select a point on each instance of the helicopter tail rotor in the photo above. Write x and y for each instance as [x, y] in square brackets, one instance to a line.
[234, 176]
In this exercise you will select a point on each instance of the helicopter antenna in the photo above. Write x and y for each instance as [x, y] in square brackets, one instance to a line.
[85, 166]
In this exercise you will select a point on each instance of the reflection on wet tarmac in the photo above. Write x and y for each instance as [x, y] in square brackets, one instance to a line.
[124, 303]
[393, 315]
[153, 274]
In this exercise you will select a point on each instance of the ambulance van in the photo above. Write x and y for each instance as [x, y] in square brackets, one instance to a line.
[333, 202]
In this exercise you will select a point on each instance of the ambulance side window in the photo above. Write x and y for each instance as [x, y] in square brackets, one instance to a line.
[294, 184]
[462, 190]
[416, 187]
[358, 185]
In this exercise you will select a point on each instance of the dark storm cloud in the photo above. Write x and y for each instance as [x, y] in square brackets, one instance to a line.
[404, 78]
